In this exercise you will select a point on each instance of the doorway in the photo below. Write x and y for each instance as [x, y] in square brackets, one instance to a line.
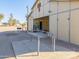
[40, 25]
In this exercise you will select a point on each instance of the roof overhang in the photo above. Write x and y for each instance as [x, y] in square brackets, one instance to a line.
[34, 4]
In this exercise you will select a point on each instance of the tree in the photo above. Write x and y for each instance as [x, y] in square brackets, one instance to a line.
[24, 24]
[1, 17]
[12, 21]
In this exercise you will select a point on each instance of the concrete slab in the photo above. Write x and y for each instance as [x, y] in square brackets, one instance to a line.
[6, 49]
[23, 51]
[27, 48]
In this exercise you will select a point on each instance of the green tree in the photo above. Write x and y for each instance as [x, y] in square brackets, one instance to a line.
[12, 21]
[24, 24]
[1, 17]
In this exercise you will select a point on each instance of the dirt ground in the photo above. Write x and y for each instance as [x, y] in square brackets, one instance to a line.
[7, 28]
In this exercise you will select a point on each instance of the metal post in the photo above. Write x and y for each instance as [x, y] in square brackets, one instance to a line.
[27, 17]
[54, 44]
[38, 45]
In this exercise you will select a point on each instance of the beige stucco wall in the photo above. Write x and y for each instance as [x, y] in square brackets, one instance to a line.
[63, 27]
[43, 9]
[75, 23]
[53, 25]
[63, 22]
[75, 27]
[30, 24]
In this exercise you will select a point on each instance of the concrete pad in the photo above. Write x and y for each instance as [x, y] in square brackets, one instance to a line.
[28, 49]
[5, 47]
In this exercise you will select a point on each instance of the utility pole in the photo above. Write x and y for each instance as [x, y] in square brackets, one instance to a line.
[27, 16]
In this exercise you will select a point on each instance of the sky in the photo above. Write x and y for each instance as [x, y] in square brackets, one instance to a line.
[16, 7]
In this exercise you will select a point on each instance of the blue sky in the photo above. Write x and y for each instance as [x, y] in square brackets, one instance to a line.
[16, 7]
